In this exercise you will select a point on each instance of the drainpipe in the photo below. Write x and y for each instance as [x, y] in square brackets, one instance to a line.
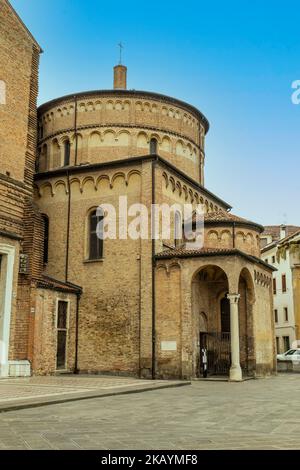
[68, 226]
[76, 370]
[233, 234]
[69, 192]
[78, 295]
[75, 130]
[153, 276]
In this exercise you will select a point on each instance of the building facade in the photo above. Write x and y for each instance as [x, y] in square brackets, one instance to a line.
[143, 302]
[145, 307]
[24, 291]
[280, 252]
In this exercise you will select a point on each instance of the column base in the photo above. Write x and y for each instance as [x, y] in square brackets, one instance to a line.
[4, 370]
[235, 374]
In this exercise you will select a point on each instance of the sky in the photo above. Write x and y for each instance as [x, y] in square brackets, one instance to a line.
[235, 60]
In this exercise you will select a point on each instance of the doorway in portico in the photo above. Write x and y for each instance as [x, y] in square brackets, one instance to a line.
[209, 289]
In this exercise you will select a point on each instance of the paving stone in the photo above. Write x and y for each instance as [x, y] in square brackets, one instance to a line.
[206, 415]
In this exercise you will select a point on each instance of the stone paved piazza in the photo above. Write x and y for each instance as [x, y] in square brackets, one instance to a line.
[256, 414]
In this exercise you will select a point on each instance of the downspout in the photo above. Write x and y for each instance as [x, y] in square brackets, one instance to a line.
[76, 370]
[233, 234]
[153, 274]
[69, 193]
[78, 295]
[75, 130]
[68, 226]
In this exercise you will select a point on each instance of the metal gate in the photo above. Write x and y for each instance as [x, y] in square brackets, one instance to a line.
[217, 346]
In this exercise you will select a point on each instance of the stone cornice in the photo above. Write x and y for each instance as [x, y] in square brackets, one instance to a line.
[129, 94]
[127, 162]
[121, 126]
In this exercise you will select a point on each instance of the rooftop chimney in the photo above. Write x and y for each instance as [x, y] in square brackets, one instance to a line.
[282, 231]
[120, 77]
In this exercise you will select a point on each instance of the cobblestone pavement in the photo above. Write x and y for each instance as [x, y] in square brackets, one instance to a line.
[257, 414]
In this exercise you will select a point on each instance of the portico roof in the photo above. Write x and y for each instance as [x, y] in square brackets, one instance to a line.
[210, 252]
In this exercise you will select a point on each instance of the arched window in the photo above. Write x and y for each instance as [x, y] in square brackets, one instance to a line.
[67, 152]
[177, 229]
[46, 239]
[95, 242]
[153, 146]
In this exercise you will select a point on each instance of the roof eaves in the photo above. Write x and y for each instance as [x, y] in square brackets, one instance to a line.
[127, 162]
[233, 252]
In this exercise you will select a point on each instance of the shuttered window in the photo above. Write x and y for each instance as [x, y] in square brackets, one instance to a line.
[283, 283]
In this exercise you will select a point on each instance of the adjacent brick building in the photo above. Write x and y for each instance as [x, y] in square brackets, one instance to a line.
[21, 224]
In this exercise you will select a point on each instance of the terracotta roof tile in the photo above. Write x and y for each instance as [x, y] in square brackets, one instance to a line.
[47, 282]
[274, 231]
[227, 217]
[206, 252]
[203, 251]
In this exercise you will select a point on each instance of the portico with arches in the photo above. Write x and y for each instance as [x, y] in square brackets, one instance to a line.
[221, 309]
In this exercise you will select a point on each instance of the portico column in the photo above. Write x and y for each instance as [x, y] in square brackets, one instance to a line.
[235, 373]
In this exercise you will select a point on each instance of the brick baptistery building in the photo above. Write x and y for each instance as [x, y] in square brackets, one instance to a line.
[72, 303]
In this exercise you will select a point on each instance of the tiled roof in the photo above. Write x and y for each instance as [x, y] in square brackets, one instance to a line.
[206, 252]
[274, 230]
[47, 282]
[202, 251]
[227, 217]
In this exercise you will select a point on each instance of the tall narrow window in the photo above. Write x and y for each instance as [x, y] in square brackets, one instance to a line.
[62, 334]
[286, 342]
[274, 286]
[67, 151]
[286, 314]
[276, 315]
[95, 242]
[283, 283]
[46, 239]
[153, 147]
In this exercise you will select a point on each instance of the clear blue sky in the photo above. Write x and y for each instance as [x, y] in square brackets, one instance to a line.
[235, 60]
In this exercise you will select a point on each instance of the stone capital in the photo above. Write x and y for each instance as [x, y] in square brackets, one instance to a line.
[233, 298]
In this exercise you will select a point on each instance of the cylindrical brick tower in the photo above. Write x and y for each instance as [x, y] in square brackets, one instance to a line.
[105, 125]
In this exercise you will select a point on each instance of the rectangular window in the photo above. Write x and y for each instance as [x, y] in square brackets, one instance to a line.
[283, 283]
[276, 315]
[273, 259]
[62, 334]
[286, 314]
[286, 343]
[274, 286]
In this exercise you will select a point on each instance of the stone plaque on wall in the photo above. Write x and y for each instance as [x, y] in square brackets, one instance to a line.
[168, 346]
